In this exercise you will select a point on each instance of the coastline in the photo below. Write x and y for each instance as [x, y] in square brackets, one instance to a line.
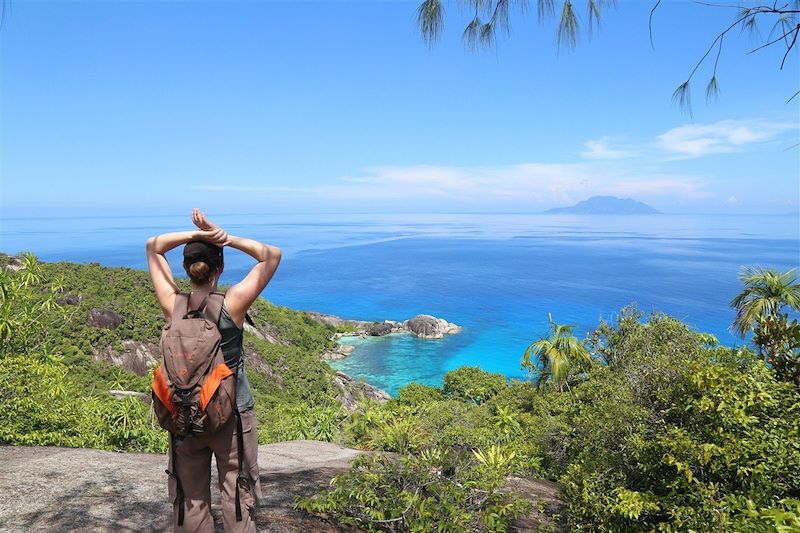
[421, 326]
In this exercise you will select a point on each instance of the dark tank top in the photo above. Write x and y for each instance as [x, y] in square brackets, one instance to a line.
[233, 352]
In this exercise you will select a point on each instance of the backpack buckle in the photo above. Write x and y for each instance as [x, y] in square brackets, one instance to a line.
[185, 396]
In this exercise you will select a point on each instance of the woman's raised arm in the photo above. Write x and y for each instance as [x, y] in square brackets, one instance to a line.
[239, 297]
[160, 272]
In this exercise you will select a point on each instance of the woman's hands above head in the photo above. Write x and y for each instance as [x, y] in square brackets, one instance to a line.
[200, 220]
[209, 231]
[217, 237]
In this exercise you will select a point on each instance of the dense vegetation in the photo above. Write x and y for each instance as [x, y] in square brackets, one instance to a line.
[54, 391]
[670, 434]
[646, 425]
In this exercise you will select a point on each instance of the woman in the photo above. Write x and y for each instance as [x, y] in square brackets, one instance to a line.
[191, 479]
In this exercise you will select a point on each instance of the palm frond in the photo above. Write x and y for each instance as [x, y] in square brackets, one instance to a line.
[783, 25]
[594, 15]
[545, 9]
[765, 293]
[749, 24]
[472, 32]
[712, 89]
[487, 34]
[500, 17]
[567, 33]
[682, 98]
[430, 17]
[554, 357]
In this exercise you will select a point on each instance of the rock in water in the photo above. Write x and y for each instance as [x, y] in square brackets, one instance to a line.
[340, 352]
[430, 327]
[380, 329]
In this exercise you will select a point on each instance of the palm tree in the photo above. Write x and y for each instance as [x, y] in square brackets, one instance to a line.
[759, 309]
[766, 292]
[557, 356]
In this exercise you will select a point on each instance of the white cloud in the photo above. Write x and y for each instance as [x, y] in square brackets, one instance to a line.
[543, 184]
[697, 140]
[606, 170]
[601, 149]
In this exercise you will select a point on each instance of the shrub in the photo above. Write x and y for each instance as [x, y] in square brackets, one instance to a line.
[415, 395]
[41, 405]
[435, 490]
[471, 384]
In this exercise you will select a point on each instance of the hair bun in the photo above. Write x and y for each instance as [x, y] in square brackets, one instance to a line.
[200, 272]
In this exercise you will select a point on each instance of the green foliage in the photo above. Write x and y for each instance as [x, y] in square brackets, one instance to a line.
[289, 420]
[416, 394]
[45, 327]
[760, 310]
[293, 327]
[296, 374]
[673, 435]
[470, 383]
[25, 301]
[41, 405]
[766, 292]
[558, 357]
[49, 399]
[435, 421]
[435, 490]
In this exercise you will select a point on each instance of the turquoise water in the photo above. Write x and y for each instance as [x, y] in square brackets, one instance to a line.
[496, 275]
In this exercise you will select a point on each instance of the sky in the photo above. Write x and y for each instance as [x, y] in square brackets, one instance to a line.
[340, 107]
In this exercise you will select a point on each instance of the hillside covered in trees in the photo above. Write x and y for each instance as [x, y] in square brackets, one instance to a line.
[645, 426]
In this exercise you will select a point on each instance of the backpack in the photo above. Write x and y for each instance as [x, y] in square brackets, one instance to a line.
[194, 391]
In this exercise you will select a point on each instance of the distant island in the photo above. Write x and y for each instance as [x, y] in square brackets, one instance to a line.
[606, 205]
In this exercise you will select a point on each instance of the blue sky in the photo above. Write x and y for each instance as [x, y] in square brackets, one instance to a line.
[292, 107]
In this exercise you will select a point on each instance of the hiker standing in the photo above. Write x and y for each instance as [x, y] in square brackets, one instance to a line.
[201, 393]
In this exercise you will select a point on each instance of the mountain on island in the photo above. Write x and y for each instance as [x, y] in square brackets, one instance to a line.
[606, 205]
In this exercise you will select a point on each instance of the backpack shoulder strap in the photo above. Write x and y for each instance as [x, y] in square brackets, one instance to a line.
[181, 306]
[213, 307]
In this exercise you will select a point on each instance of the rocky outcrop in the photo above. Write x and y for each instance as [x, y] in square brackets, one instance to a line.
[352, 391]
[254, 361]
[423, 326]
[430, 327]
[136, 356]
[264, 333]
[104, 318]
[11, 263]
[70, 299]
[335, 321]
[102, 491]
[340, 352]
[548, 512]
[379, 329]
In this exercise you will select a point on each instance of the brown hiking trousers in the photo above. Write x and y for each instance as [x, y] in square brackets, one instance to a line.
[194, 471]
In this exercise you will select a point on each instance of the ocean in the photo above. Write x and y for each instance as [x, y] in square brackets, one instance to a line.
[498, 276]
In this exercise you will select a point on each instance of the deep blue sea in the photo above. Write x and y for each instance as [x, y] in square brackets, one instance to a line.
[496, 275]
